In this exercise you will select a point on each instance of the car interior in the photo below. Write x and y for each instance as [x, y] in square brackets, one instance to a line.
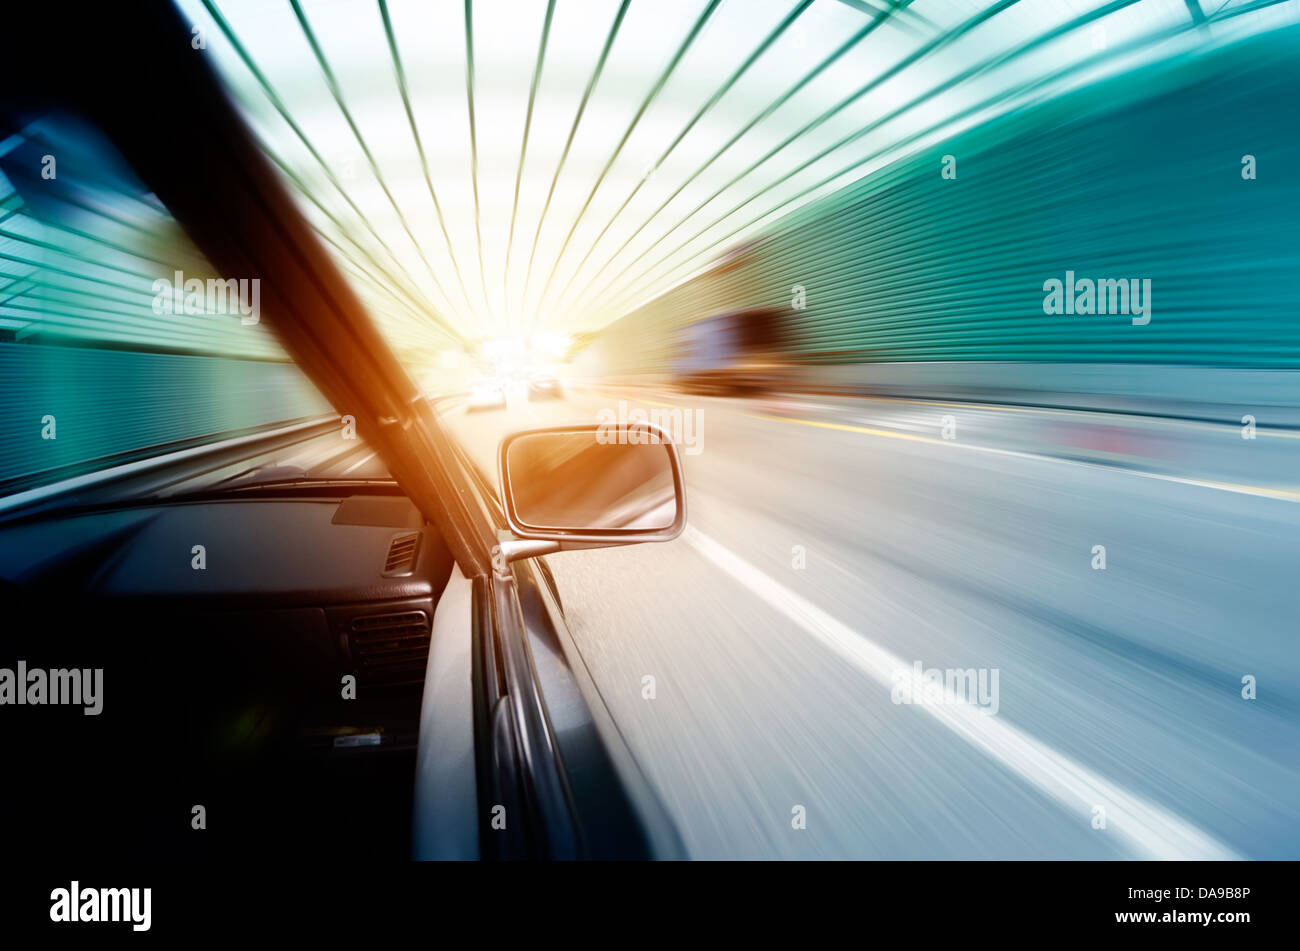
[241, 667]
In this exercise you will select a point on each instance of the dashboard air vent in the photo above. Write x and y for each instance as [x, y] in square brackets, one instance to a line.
[390, 650]
[401, 553]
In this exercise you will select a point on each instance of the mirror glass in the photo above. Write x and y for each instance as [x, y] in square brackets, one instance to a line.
[587, 480]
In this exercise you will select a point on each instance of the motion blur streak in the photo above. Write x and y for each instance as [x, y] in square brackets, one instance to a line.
[827, 231]
[1119, 688]
[1151, 831]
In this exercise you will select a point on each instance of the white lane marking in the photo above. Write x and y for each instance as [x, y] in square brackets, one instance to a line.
[358, 465]
[1150, 831]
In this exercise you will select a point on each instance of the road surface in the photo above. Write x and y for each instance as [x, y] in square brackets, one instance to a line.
[834, 544]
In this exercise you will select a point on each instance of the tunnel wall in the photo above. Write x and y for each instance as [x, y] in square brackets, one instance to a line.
[905, 265]
[109, 402]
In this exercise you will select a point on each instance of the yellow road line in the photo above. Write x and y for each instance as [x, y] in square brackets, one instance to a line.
[995, 408]
[847, 428]
[1285, 495]
[992, 407]
[979, 407]
[638, 399]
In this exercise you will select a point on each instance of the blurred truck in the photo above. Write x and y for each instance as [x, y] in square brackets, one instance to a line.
[731, 354]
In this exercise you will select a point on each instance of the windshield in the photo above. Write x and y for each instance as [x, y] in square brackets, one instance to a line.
[117, 339]
[506, 202]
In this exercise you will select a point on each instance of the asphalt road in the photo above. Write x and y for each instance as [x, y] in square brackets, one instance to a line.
[835, 543]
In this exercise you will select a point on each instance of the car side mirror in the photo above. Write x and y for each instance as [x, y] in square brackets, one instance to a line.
[590, 487]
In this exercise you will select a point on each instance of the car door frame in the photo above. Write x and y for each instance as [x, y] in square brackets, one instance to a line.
[614, 812]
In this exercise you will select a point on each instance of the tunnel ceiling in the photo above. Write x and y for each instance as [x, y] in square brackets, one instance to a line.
[499, 168]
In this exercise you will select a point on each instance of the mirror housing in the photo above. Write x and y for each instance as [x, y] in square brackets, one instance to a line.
[592, 486]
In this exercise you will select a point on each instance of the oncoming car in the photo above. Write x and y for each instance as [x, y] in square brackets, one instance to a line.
[486, 394]
[543, 385]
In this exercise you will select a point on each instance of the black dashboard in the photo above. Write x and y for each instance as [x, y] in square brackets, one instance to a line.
[259, 552]
[249, 647]
[317, 587]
